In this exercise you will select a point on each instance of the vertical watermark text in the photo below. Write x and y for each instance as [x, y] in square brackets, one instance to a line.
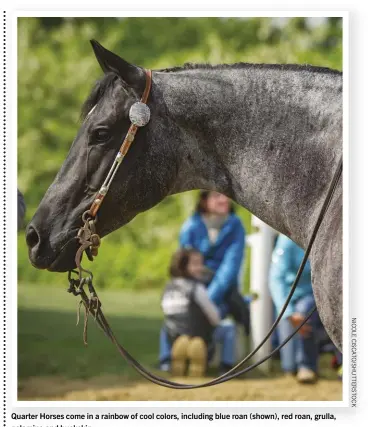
[353, 363]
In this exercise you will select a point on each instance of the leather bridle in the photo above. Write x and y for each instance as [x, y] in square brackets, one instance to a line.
[90, 241]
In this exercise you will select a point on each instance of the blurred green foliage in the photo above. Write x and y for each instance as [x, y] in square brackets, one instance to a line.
[56, 71]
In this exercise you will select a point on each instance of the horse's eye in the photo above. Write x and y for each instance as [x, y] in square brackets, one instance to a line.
[101, 134]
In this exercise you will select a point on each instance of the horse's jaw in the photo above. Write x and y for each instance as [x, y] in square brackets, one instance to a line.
[64, 262]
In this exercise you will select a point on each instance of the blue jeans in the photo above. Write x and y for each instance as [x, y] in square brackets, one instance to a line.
[299, 351]
[225, 334]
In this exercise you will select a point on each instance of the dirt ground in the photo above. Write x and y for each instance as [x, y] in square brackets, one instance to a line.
[112, 389]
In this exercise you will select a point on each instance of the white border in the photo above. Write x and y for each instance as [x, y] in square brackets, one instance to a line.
[178, 13]
[12, 172]
[345, 205]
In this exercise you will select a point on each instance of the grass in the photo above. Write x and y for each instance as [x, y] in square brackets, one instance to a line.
[49, 343]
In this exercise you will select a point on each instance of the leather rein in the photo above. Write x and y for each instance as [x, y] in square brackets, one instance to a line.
[90, 241]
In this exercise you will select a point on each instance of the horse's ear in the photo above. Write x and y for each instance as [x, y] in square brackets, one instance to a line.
[109, 61]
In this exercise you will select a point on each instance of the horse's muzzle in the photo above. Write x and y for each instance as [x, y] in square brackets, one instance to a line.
[43, 255]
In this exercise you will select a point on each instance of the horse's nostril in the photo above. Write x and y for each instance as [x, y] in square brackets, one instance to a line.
[32, 237]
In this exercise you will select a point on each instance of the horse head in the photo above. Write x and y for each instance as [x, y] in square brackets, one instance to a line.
[145, 178]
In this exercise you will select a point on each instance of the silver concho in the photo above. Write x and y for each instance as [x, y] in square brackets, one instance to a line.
[139, 114]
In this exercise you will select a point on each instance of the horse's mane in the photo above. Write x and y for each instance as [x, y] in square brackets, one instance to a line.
[108, 79]
[242, 65]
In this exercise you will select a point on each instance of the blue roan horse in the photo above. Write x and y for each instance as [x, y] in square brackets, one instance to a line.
[267, 136]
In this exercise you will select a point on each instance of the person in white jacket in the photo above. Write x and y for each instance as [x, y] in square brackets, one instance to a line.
[190, 316]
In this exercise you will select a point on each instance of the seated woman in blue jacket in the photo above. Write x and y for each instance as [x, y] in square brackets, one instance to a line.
[218, 234]
[300, 355]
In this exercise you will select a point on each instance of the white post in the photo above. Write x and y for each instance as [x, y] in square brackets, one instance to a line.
[261, 243]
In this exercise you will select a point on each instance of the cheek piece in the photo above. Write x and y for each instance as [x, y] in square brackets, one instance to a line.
[139, 115]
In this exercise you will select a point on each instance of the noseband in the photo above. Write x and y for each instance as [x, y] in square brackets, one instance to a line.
[89, 242]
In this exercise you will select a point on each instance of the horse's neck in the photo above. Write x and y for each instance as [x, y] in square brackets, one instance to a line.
[269, 139]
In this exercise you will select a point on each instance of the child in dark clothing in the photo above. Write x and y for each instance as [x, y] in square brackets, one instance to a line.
[190, 316]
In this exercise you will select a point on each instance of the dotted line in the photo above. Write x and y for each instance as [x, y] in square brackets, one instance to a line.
[4, 218]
